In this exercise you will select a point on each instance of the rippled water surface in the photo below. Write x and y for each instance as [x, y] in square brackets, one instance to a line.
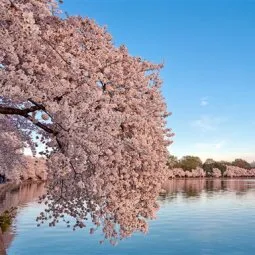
[196, 217]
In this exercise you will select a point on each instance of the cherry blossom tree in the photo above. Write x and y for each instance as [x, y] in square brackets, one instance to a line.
[251, 172]
[178, 172]
[235, 171]
[10, 150]
[188, 174]
[198, 172]
[99, 111]
[15, 136]
[216, 173]
[231, 171]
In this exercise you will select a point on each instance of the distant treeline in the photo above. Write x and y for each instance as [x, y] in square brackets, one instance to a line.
[192, 166]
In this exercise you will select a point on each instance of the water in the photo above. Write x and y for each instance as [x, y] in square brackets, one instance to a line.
[196, 217]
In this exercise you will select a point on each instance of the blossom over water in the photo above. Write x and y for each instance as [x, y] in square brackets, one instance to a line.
[100, 112]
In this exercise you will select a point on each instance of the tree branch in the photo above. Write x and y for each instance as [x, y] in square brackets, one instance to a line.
[17, 111]
[43, 126]
[40, 106]
[25, 113]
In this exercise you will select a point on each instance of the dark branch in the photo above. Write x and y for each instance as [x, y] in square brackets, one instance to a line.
[59, 144]
[40, 106]
[13, 5]
[25, 113]
[43, 126]
[52, 47]
[17, 111]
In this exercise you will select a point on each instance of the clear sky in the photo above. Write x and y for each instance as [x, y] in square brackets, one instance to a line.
[208, 47]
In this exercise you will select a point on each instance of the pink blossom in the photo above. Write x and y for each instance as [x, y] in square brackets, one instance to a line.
[98, 110]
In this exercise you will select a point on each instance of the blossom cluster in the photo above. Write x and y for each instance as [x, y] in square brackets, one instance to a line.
[234, 171]
[10, 150]
[179, 172]
[100, 108]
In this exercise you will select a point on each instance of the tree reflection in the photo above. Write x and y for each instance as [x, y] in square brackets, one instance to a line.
[12, 196]
[118, 210]
[195, 187]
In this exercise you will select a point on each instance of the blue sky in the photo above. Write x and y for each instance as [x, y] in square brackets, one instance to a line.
[209, 74]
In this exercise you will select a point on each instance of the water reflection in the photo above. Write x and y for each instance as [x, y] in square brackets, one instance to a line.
[12, 196]
[178, 193]
[206, 188]
[195, 187]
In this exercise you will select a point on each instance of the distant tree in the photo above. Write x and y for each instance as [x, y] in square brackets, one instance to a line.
[241, 163]
[216, 173]
[235, 171]
[190, 162]
[173, 161]
[209, 168]
[10, 150]
[252, 164]
[198, 172]
[226, 163]
[209, 161]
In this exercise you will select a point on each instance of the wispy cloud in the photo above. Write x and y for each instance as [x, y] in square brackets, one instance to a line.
[208, 123]
[204, 101]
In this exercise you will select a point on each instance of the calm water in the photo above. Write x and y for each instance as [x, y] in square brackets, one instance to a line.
[196, 217]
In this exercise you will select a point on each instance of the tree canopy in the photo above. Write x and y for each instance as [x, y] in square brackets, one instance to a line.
[11, 145]
[241, 163]
[190, 162]
[98, 110]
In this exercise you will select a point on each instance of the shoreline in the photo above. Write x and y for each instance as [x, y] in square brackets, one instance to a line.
[12, 186]
[9, 186]
[211, 178]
